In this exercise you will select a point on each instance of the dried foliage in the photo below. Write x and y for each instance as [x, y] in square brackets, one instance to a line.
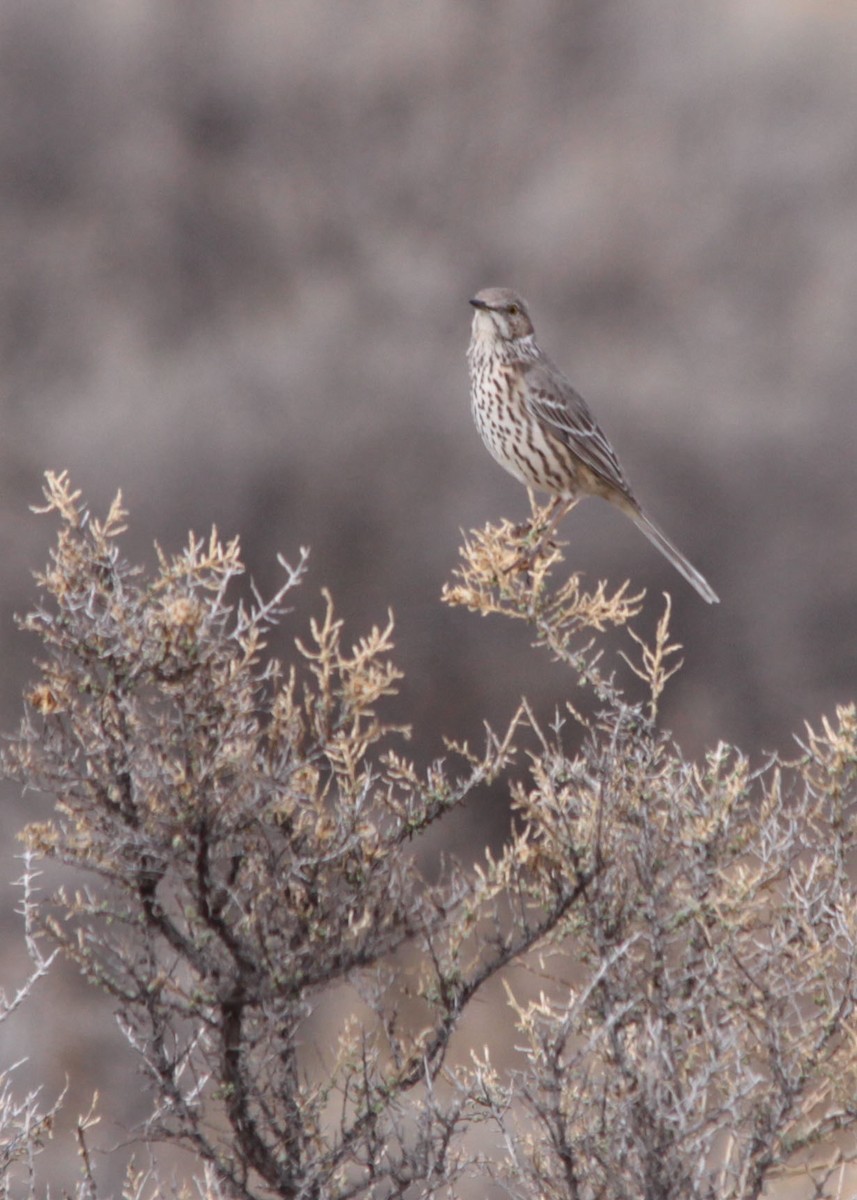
[244, 836]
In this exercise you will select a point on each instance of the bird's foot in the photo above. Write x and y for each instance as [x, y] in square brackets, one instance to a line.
[537, 536]
[522, 564]
[534, 540]
[528, 555]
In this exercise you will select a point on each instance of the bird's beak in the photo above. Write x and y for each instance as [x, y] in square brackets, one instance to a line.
[480, 304]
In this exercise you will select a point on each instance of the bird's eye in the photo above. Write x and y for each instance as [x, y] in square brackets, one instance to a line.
[513, 310]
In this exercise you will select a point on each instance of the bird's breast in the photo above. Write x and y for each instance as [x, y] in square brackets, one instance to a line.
[515, 438]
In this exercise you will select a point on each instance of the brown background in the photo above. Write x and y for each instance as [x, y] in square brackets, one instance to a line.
[237, 242]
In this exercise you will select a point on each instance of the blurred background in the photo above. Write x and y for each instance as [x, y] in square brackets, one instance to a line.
[237, 244]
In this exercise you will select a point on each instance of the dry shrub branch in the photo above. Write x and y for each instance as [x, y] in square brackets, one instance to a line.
[242, 839]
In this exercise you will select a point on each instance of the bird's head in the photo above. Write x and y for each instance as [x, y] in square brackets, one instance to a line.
[500, 314]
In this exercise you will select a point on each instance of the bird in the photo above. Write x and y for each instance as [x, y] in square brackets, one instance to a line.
[540, 429]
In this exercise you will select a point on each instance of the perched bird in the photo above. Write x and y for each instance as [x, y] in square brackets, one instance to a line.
[538, 427]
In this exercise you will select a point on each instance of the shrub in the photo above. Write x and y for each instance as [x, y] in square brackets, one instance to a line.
[242, 836]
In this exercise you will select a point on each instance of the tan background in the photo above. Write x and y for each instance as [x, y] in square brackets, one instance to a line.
[237, 242]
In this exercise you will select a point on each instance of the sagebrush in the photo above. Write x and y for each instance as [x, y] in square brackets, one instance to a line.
[241, 836]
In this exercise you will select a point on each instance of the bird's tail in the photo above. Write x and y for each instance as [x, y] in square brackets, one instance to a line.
[678, 560]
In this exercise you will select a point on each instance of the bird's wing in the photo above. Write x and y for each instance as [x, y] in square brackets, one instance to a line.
[554, 402]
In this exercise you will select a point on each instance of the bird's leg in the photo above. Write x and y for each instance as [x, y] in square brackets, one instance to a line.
[557, 509]
[525, 528]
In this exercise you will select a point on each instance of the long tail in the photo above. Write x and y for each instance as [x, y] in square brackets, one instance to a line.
[675, 556]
